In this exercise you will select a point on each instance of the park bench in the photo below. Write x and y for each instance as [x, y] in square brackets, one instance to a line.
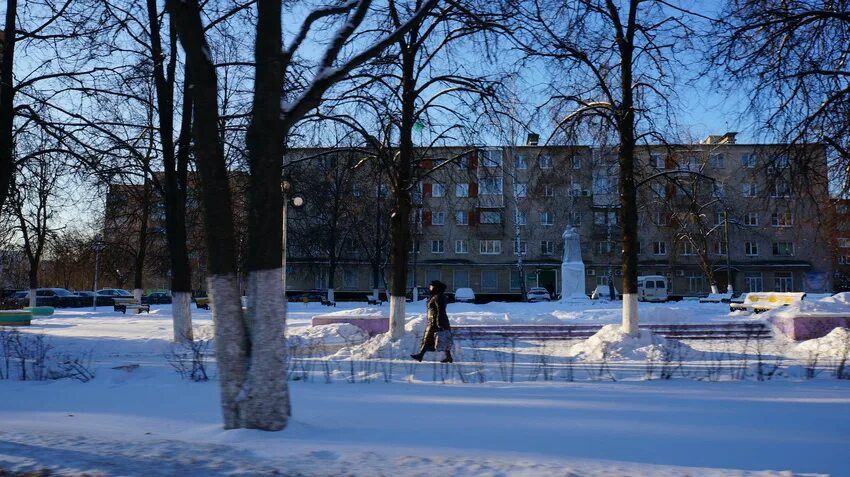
[697, 331]
[373, 300]
[15, 317]
[759, 302]
[40, 310]
[124, 304]
[202, 303]
[327, 302]
[717, 298]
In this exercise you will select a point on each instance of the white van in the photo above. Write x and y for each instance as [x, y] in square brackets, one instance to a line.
[652, 288]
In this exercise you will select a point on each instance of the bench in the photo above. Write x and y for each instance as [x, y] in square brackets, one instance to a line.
[40, 310]
[717, 298]
[759, 302]
[15, 317]
[373, 301]
[327, 302]
[124, 304]
[202, 303]
[696, 331]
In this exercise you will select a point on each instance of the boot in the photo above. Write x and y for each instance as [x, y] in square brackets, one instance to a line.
[418, 356]
[448, 358]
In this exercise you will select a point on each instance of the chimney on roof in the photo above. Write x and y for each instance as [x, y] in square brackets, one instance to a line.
[728, 138]
[533, 139]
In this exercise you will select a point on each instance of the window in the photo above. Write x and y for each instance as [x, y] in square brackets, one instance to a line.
[438, 218]
[516, 280]
[461, 279]
[575, 218]
[603, 278]
[489, 280]
[491, 158]
[720, 248]
[659, 189]
[462, 217]
[842, 208]
[349, 278]
[783, 281]
[438, 246]
[491, 217]
[575, 162]
[520, 162]
[696, 282]
[382, 190]
[659, 218]
[688, 248]
[490, 186]
[437, 190]
[490, 247]
[548, 191]
[748, 161]
[781, 188]
[659, 248]
[520, 247]
[413, 246]
[351, 245]
[462, 190]
[602, 248]
[843, 242]
[718, 161]
[751, 219]
[356, 190]
[751, 248]
[462, 162]
[782, 161]
[749, 189]
[547, 247]
[599, 218]
[545, 162]
[461, 246]
[432, 275]
[844, 259]
[639, 247]
[519, 217]
[520, 189]
[718, 218]
[783, 249]
[717, 190]
[753, 282]
[781, 219]
[656, 161]
[547, 218]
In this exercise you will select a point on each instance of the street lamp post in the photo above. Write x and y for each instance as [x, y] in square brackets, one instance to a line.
[729, 288]
[97, 246]
[289, 198]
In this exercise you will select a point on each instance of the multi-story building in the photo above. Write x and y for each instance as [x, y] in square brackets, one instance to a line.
[492, 218]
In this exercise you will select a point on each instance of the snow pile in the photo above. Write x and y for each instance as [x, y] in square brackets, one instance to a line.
[495, 318]
[838, 304]
[337, 334]
[611, 342]
[381, 346]
[834, 345]
[365, 312]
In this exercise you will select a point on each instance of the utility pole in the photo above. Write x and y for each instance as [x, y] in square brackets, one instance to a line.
[729, 288]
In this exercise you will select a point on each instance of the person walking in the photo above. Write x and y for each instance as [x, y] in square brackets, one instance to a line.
[438, 321]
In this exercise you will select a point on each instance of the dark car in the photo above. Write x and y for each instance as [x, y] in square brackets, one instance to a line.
[55, 297]
[157, 298]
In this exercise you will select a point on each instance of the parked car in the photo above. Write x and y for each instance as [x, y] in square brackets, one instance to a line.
[464, 295]
[55, 297]
[157, 298]
[84, 293]
[538, 294]
[114, 293]
[602, 292]
[422, 293]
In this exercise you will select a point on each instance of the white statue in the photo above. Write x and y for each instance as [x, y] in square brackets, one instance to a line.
[572, 268]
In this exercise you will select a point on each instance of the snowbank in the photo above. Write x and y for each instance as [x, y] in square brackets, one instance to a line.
[337, 334]
[362, 312]
[381, 346]
[611, 342]
[838, 304]
[834, 345]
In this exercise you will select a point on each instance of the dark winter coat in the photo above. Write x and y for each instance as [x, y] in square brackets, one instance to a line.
[438, 320]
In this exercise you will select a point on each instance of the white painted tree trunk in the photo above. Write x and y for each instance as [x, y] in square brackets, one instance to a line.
[181, 310]
[32, 298]
[137, 294]
[397, 305]
[331, 295]
[264, 401]
[630, 314]
[230, 344]
[714, 289]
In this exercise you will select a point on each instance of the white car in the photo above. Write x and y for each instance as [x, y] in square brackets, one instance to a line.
[602, 292]
[114, 293]
[464, 295]
[538, 294]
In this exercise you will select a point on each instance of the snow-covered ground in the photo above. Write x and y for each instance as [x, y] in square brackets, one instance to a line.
[560, 416]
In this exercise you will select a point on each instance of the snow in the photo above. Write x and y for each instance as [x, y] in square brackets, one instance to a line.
[611, 342]
[835, 345]
[364, 419]
[837, 305]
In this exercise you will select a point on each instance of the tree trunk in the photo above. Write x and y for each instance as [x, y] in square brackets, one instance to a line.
[175, 174]
[267, 396]
[141, 252]
[231, 336]
[7, 109]
[628, 190]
